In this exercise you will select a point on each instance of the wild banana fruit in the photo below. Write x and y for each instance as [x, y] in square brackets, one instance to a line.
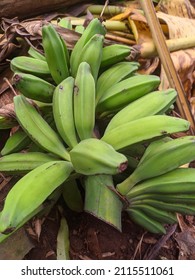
[84, 101]
[145, 221]
[113, 54]
[29, 65]
[168, 156]
[114, 75]
[34, 87]
[37, 128]
[35, 54]
[56, 53]
[6, 122]
[143, 129]
[92, 54]
[20, 163]
[177, 181]
[151, 104]
[94, 27]
[93, 156]
[31, 191]
[160, 215]
[63, 111]
[126, 91]
[16, 142]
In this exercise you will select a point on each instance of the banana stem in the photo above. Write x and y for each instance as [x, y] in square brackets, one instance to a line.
[149, 50]
[109, 10]
[115, 25]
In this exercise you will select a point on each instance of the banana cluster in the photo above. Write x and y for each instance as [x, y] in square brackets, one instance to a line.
[87, 113]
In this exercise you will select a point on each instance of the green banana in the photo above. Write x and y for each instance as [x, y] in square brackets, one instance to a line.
[34, 87]
[183, 208]
[160, 215]
[7, 122]
[92, 54]
[93, 156]
[18, 141]
[63, 111]
[79, 29]
[148, 105]
[18, 163]
[29, 65]
[84, 101]
[144, 129]
[113, 54]
[168, 156]
[56, 53]
[38, 129]
[72, 195]
[177, 181]
[145, 221]
[31, 191]
[94, 27]
[65, 23]
[35, 54]
[126, 91]
[114, 75]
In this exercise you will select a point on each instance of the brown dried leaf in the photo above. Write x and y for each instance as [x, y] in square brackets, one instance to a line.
[181, 8]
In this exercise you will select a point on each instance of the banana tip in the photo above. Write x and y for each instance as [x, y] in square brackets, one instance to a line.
[123, 166]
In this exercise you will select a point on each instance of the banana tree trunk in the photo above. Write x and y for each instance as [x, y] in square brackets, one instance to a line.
[27, 8]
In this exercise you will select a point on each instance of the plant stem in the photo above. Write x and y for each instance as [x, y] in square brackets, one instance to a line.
[109, 10]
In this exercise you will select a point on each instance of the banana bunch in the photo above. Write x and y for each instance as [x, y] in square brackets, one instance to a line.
[85, 115]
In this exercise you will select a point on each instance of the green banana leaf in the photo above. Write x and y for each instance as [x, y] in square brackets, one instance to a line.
[101, 201]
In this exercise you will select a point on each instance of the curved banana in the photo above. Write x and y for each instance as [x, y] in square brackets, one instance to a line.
[113, 54]
[92, 54]
[30, 65]
[93, 156]
[16, 142]
[145, 221]
[63, 111]
[178, 181]
[31, 191]
[84, 101]
[35, 54]
[168, 156]
[151, 104]
[37, 128]
[20, 163]
[143, 129]
[94, 27]
[162, 216]
[56, 53]
[34, 87]
[126, 91]
[114, 75]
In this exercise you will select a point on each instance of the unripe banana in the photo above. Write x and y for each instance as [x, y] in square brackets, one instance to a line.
[34, 87]
[7, 122]
[31, 191]
[148, 105]
[84, 101]
[144, 129]
[92, 54]
[56, 53]
[160, 215]
[177, 207]
[63, 111]
[113, 54]
[18, 141]
[177, 181]
[126, 91]
[72, 195]
[29, 65]
[145, 221]
[169, 156]
[94, 27]
[35, 54]
[93, 156]
[114, 75]
[38, 129]
[20, 163]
